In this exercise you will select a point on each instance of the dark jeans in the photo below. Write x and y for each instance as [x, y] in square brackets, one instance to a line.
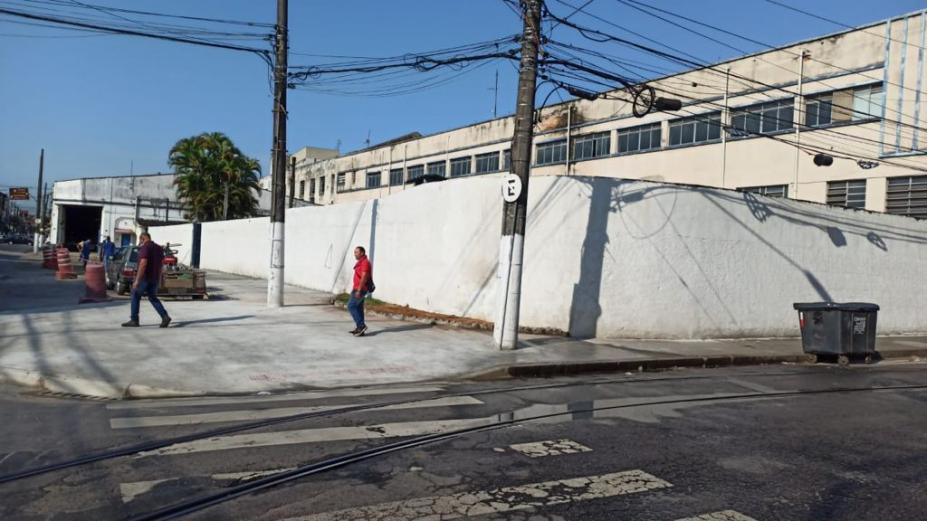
[356, 308]
[151, 289]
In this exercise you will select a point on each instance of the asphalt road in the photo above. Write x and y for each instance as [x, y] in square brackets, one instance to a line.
[769, 443]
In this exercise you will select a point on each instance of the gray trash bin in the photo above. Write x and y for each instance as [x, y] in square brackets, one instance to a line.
[841, 330]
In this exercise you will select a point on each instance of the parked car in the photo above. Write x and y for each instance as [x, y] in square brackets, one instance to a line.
[18, 239]
[121, 269]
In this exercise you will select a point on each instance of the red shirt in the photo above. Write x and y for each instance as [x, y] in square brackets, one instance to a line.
[362, 266]
[155, 256]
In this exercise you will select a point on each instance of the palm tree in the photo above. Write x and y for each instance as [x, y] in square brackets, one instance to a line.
[214, 178]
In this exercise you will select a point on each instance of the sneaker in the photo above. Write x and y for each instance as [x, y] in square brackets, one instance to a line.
[354, 331]
[360, 331]
[131, 323]
[165, 322]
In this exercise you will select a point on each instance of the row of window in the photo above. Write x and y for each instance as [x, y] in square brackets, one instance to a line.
[830, 108]
[905, 195]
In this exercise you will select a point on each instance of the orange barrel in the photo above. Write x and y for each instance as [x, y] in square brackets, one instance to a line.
[95, 282]
[49, 257]
[65, 270]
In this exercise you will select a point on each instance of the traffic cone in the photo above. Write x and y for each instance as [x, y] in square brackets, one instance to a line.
[65, 270]
[95, 281]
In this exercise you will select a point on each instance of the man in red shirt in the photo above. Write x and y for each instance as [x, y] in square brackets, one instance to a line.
[363, 284]
[147, 278]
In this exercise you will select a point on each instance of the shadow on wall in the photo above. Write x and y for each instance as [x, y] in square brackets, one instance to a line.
[610, 195]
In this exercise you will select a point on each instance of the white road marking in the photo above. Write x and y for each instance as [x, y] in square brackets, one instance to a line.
[247, 475]
[224, 400]
[132, 490]
[753, 386]
[541, 449]
[327, 434]
[724, 515]
[506, 499]
[914, 343]
[264, 414]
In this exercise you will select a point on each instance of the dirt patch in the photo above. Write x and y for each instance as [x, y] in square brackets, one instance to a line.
[397, 312]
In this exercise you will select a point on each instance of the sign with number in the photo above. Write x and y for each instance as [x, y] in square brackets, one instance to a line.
[19, 194]
[511, 188]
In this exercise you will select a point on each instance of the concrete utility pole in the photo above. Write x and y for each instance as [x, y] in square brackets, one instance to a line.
[278, 206]
[511, 247]
[37, 237]
[292, 181]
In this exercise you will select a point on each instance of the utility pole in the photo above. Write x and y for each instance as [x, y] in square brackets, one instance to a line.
[278, 206]
[511, 246]
[37, 237]
[292, 181]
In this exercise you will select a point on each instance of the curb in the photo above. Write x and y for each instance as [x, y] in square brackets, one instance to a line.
[554, 369]
[87, 388]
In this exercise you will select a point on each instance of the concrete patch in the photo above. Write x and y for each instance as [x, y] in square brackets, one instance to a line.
[501, 500]
[541, 449]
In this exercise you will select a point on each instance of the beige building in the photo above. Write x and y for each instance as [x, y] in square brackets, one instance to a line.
[752, 123]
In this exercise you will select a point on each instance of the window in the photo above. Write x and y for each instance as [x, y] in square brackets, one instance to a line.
[818, 110]
[416, 171]
[340, 181]
[437, 168]
[768, 191]
[697, 129]
[856, 104]
[487, 163]
[867, 102]
[395, 177]
[907, 196]
[851, 194]
[551, 152]
[645, 137]
[302, 189]
[507, 160]
[373, 179]
[764, 118]
[321, 186]
[312, 190]
[460, 166]
[592, 145]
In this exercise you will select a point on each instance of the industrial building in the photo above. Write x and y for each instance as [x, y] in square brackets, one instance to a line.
[120, 207]
[751, 123]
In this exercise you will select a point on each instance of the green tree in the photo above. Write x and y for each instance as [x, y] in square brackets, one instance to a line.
[214, 178]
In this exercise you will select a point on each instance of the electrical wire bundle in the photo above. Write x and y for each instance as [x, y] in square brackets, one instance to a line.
[398, 75]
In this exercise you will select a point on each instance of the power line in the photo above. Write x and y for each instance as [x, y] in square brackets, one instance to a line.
[164, 15]
[835, 22]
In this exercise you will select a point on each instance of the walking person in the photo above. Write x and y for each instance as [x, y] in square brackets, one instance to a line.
[85, 248]
[363, 285]
[147, 278]
[107, 250]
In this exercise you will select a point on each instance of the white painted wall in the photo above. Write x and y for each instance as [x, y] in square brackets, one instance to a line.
[180, 237]
[604, 257]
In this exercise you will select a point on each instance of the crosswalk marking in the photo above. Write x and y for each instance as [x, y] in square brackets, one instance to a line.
[225, 400]
[325, 434]
[500, 500]
[130, 491]
[133, 489]
[724, 515]
[541, 449]
[263, 414]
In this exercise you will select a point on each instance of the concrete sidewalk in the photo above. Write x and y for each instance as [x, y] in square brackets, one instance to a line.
[234, 344]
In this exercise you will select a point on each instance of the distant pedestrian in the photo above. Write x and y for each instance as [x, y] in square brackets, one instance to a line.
[107, 250]
[85, 248]
[362, 286]
[147, 278]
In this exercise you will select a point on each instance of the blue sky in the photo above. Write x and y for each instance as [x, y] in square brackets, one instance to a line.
[102, 105]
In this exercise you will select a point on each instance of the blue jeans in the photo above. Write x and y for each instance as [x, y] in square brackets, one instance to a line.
[356, 308]
[150, 288]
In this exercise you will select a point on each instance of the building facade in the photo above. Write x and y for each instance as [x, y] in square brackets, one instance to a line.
[753, 123]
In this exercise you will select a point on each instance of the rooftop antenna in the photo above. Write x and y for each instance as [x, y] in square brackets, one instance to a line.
[368, 139]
